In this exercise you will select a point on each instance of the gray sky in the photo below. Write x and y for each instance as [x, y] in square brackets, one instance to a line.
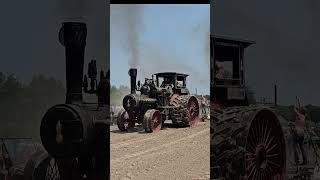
[286, 53]
[29, 31]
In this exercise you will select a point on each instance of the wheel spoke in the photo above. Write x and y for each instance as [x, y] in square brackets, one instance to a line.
[251, 147]
[269, 142]
[273, 163]
[272, 155]
[256, 134]
[265, 132]
[270, 149]
[252, 173]
[267, 137]
[259, 131]
[251, 165]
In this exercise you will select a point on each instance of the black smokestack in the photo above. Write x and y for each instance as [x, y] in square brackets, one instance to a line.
[133, 78]
[72, 36]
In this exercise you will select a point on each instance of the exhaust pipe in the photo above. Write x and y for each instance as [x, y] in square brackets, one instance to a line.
[72, 36]
[133, 78]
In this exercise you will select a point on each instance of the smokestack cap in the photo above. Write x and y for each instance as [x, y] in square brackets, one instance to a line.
[73, 34]
[132, 72]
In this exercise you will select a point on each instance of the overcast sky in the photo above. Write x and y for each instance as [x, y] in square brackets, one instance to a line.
[157, 38]
[29, 35]
[286, 50]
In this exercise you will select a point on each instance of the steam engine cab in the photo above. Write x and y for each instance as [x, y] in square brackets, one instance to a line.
[227, 70]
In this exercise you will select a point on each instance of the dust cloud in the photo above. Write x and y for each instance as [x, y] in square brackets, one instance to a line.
[128, 19]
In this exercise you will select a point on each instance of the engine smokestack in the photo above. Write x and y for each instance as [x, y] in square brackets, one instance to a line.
[72, 36]
[133, 78]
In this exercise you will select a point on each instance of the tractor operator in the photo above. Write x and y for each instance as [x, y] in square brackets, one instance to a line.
[164, 83]
[298, 133]
[219, 71]
[167, 82]
[203, 104]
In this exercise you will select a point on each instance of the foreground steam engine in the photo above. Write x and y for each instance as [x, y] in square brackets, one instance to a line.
[156, 103]
[25, 159]
[76, 133]
[247, 140]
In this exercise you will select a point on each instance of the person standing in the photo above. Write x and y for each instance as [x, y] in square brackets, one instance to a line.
[298, 133]
[219, 71]
[203, 105]
[289, 137]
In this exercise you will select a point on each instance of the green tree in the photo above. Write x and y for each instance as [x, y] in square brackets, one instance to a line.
[22, 106]
[117, 94]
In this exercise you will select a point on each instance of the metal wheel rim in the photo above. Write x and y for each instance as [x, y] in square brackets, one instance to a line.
[122, 120]
[193, 111]
[265, 148]
[156, 121]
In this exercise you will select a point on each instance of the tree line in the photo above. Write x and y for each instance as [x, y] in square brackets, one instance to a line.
[22, 105]
[117, 93]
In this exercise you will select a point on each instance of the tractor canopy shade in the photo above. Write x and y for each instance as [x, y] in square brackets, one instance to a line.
[170, 74]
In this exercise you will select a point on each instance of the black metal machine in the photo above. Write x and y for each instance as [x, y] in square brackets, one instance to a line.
[76, 133]
[163, 98]
[25, 159]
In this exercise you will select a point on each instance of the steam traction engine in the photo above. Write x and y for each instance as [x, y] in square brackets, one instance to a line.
[247, 139]
[25, 159]
[164, 98]
[76, 133]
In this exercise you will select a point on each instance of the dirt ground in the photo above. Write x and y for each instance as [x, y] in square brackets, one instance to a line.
[171, 154]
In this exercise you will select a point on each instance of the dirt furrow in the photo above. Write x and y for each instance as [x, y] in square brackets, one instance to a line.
[170, 154]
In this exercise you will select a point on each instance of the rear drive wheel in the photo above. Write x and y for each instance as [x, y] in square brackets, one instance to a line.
[186, 111]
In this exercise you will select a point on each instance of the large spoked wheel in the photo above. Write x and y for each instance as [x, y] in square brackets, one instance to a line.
[123, 120]
[265, 156]
[193, 111]
[152, 121]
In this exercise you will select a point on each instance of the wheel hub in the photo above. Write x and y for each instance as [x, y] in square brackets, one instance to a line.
[192, 109]
[261, 157]
[191, 112]
[156, 122]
